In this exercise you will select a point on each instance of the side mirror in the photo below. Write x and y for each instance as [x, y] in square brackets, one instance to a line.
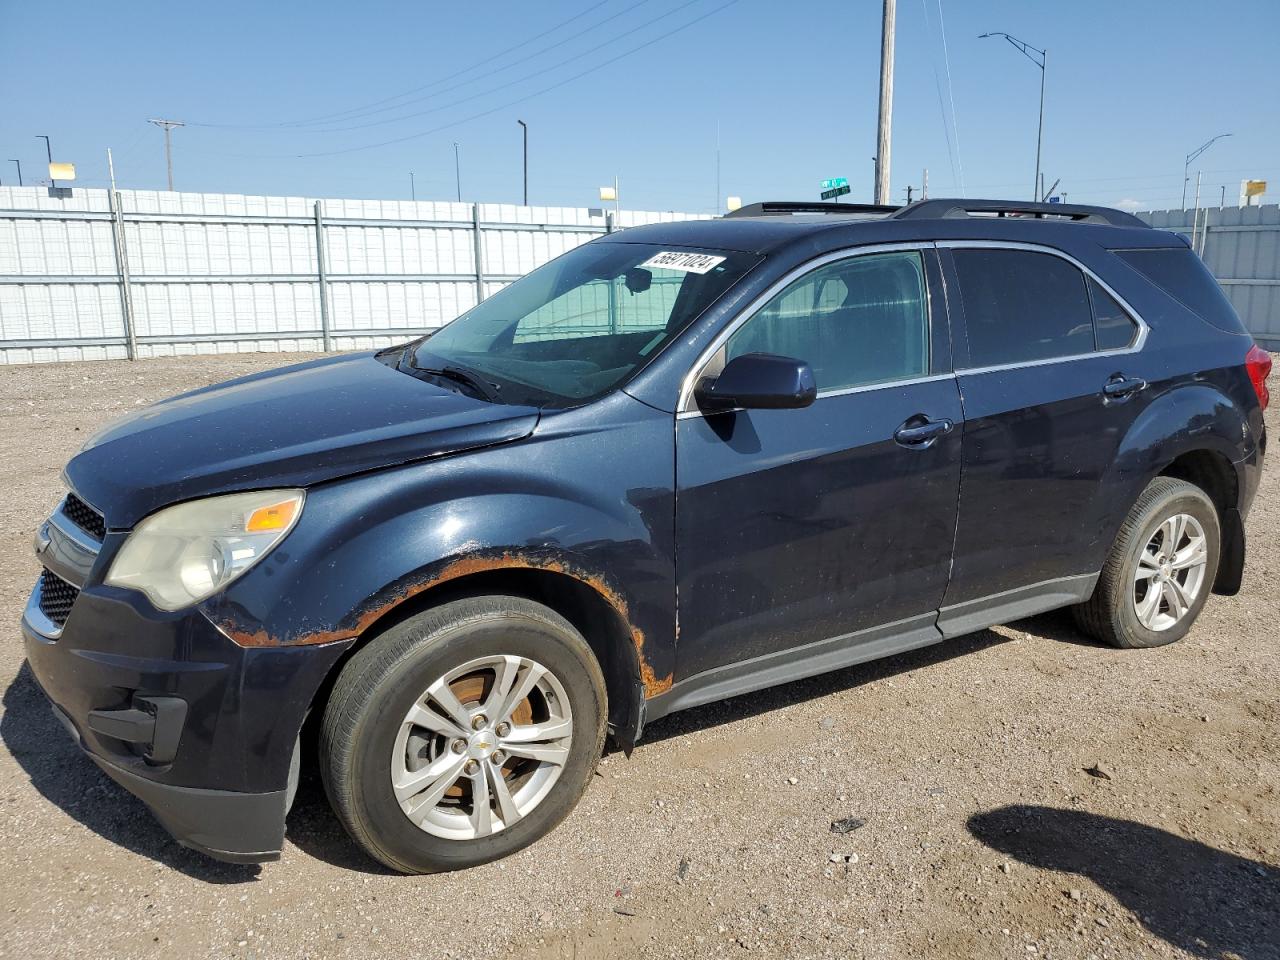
[758, 381]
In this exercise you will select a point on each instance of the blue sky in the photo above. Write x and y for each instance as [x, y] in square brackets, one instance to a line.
[1132, 88]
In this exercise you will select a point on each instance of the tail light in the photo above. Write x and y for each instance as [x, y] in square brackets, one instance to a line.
[1258, 362]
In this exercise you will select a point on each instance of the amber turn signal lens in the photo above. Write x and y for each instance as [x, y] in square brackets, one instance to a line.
[277, 516]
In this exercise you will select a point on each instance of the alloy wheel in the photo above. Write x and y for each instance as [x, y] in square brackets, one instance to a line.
[1170, 572]
[481, 747]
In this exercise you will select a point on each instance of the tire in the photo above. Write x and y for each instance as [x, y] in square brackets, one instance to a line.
[367, 736]
[1115, 613]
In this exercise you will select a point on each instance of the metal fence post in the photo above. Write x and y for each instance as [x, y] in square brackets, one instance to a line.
[478, 244]
[322, 279]
[122, 268]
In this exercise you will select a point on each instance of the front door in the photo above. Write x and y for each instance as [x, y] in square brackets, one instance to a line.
[799, 526]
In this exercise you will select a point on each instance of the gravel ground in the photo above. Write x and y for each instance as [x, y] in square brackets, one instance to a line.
[982, 834]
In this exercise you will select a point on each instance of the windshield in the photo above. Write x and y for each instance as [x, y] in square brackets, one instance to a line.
[578, 326]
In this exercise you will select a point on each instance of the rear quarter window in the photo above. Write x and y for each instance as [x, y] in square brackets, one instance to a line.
[1182, 275]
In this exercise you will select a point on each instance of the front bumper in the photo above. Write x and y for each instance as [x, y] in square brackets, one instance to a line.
[199, 728]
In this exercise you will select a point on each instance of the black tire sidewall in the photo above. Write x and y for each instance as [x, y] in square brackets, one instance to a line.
[401, 843]
[1190, 501]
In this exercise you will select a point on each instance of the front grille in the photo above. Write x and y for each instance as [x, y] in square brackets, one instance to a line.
[56, 597]
[84, 516]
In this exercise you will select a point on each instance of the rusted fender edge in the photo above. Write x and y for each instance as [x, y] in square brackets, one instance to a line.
[373, 609]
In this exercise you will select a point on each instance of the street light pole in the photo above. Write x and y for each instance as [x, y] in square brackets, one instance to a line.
[49, 153]
[525, 127]
[1031, 53]
[1191, 156]
[19, 163]
[413, 190]
[457, 170]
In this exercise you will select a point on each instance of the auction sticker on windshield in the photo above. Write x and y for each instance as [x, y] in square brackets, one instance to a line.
[684, 261]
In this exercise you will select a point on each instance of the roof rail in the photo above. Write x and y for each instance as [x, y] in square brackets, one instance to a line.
[783, 207]
[1078, 213]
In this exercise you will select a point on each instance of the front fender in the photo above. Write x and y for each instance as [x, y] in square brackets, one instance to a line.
[589, 497]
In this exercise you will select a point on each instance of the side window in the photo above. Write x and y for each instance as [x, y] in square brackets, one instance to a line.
[1021, 306]
[1183, 275]
[1113, 328]
[856, 322]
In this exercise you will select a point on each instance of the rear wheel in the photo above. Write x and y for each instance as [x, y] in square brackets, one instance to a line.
[1158, 575]
[463, 734]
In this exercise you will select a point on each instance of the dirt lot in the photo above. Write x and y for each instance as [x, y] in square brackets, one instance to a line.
[983, 835]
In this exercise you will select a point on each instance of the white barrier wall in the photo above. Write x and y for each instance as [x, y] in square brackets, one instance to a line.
[170, 273]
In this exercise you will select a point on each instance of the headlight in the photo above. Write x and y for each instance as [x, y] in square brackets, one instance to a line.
[185, 553]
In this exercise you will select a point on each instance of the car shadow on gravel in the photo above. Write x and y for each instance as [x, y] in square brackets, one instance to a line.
[314, 828]
[1205, 901]
[71, 781]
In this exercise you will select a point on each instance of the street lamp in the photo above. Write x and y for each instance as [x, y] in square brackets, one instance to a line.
[457, 170]
[19, 163]
[49, 153]
[1191, 156]
[525, 127]
[1030, 52]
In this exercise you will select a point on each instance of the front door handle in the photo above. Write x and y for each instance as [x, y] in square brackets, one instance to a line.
[920, 432]
[1121, 387]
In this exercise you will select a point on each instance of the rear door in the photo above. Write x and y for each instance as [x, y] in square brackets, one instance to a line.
[835, 521]
[1046, 361]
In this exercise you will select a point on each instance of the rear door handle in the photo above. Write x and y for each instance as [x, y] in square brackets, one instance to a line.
[1121, 387]
[920, 432]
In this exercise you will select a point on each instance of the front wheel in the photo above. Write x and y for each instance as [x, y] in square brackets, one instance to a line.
[463, 734]
[1160, 571]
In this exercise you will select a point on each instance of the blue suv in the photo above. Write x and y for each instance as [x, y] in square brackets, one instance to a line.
[679, 463]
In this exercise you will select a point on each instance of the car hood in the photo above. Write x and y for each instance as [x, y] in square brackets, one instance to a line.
[291, 427]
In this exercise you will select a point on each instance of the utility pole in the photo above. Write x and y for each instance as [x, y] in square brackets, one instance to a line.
[49, 153]
[413, 190]
[924, 186]
[1191, 156]
[457, 170]
[19, 163]
[525, 127]
[884, 129]
[167, 126]
[1030, 53]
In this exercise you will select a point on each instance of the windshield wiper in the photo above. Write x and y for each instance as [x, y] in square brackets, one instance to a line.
[486, 390]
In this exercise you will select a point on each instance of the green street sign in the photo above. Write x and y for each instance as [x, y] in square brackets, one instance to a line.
[835, 192]
[835, 182]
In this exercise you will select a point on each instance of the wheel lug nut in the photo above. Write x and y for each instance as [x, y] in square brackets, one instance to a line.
[503, 729]
[459, 746]
[498, 757]
[479, 722]
[471, 767]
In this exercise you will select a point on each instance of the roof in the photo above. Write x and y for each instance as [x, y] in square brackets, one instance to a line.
[764, 228]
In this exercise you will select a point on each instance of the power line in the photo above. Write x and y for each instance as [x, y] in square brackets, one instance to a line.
[352, 115]
[503, 106]
[518, 81]
[427, 86]
[937, 84]
[946, 57]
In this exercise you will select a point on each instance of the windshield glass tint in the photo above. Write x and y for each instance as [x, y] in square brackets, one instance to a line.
[580, 325]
